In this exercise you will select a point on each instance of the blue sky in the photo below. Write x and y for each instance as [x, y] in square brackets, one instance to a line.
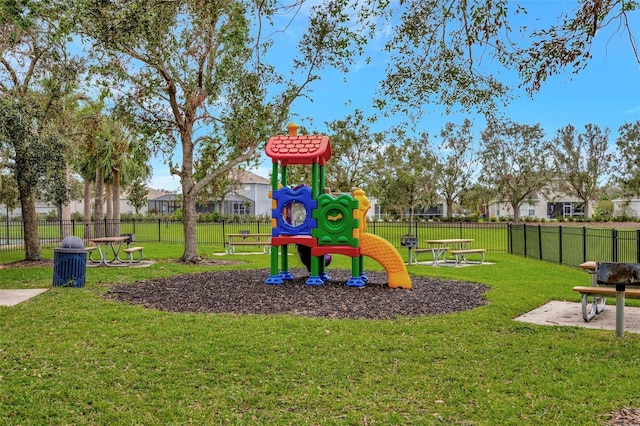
[606, 93]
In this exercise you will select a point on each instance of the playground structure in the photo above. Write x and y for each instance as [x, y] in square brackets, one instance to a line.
[323, 222]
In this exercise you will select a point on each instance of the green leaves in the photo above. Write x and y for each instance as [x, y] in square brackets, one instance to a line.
[514, 161]
[404, 176]
[628, 144]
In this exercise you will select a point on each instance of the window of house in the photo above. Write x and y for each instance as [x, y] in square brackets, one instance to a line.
[241, 208]
[527, 209]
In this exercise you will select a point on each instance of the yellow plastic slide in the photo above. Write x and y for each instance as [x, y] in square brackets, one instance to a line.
[386, 255]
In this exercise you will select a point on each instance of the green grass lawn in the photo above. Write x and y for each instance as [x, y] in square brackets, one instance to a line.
[70, 357]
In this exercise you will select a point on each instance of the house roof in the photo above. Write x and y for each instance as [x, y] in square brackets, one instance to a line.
[248, 177]
[165, 197]
[154, 193]
[299, 149]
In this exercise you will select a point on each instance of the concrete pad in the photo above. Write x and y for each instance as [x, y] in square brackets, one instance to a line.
[13, 297]
[141, 264]
[450, 264]
[570, 314]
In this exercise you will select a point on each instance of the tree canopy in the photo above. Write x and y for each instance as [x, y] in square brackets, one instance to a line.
[439, 51]
[628, 158]
[404, 177]
[514, 162]
[581, 162]
[191, 64]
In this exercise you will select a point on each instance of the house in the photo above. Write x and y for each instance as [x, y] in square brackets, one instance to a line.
[541, 206]
[436, 210]
[626, 207]
[250, 197]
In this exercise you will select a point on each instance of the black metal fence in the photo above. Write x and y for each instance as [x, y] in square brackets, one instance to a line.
[491, 236]
[571, 245]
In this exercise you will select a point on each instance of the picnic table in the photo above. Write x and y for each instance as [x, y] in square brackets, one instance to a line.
[458, 247]
[106, 245]
[438, 248]
[247, 239]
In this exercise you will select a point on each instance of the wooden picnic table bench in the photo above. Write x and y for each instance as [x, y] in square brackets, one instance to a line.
[247, 239]
[460, 255]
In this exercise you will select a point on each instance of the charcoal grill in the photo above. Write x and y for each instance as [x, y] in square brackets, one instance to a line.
[619, 275]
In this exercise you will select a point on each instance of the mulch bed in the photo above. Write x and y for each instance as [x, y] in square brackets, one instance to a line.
[245, 292]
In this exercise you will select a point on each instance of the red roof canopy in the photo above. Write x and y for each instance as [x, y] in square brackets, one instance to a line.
[299, 149]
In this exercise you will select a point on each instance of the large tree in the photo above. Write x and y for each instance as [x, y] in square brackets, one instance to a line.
[36, 74]
[439, 51]
[514, 162]
[628, 158]
[581, 162]
[35, 157]
[354, 148]
[456, 162]
[404, 177]
[122, 157]
[194, 73]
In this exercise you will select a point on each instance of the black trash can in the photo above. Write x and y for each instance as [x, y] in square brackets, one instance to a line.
[70, 263]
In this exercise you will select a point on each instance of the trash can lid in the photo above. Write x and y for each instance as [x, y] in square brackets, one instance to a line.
[72, 242]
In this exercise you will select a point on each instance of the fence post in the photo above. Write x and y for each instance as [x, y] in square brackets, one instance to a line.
[638, 245]
[540, 241]
[509, 238]
[560, 245]
[584, 244]
[614, 245]
[159, 228]
[524, 238]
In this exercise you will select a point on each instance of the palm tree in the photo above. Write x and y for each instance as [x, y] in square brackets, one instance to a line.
[122, 159]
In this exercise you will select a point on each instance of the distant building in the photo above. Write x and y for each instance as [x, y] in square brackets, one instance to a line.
[626, 207]
[251, 198]
[541, 207]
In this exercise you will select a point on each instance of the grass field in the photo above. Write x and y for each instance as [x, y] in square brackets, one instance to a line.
[69, 356]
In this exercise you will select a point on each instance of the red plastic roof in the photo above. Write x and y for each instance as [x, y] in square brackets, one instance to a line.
[299, 149]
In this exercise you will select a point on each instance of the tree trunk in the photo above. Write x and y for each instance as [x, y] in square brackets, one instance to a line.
[516, 212]
[587, 209]
[65, 213]
[116, 201]
[109, 200]
[30, 223]
[189, 222]
[98, 205]
[189, 219]
[449, 206]
[65, 217]
[86, 213]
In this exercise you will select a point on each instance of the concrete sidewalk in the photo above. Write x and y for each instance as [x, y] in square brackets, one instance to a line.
[13, 297]
[570, 314]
